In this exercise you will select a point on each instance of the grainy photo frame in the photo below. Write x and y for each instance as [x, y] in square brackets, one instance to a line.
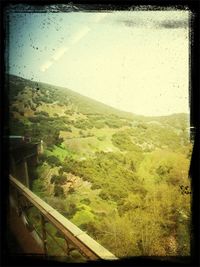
[100, 133]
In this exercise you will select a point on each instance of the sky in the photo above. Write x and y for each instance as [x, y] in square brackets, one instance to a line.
[136, 61]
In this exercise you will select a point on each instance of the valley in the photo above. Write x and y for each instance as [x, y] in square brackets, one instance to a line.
[121, 177]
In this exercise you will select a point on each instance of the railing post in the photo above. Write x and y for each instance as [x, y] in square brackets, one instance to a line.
[69, 249]
[67, 244]
[44, 235]
[26, 173]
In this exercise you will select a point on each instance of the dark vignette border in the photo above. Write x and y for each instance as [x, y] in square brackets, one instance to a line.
[67, 6]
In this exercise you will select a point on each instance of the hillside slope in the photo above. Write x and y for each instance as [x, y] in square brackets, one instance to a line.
[103, 168]
[72, 116]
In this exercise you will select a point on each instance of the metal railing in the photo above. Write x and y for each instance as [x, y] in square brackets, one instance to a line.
[74, 237]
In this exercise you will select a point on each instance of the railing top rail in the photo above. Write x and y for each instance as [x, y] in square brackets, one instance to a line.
[84, 242]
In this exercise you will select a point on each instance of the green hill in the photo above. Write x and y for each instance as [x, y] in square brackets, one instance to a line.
[105, 169]
[71, 116]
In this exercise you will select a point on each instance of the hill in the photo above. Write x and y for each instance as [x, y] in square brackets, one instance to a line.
[72, 116]
[104, 168]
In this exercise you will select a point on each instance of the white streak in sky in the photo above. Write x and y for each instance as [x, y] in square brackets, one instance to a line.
[46, 65]
[61, 51]
[74, 40]
[80, 34]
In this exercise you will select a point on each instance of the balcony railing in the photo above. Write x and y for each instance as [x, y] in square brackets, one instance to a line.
[73, 236]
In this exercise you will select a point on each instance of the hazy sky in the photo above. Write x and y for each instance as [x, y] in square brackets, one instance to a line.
[136, 61]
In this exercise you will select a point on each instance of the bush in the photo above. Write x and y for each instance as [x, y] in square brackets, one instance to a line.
[104, 195]
[71, 210]
[101, 138]
[83, 124]
[95, 186]
[86, 201]
[42, 158]
[71, 190]
[123, 141]
[38, 186]
[90, 228]
[67, 129]
[59, 180]
[61, 171]
[54, 178]
[34, 119]
[42, 113]
[58, 191]
[53, 161]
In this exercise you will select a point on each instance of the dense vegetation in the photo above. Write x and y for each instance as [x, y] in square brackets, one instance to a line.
[121, 178]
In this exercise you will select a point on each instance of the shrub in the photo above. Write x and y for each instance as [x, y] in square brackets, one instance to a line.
[123, 141]
[61, 180]
[61, 171]
[71, 190]
[38, 186]
[54, 178]
[34, 119]
[71, 210]
[42, 113]
[42, 158]
[104, 195]
[95, 186]
[86, 201]
[53, 161]
[90, 228]
[58, 191]
[101, 138]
